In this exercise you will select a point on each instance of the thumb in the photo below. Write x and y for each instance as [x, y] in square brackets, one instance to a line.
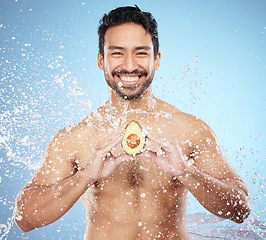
[122, 158]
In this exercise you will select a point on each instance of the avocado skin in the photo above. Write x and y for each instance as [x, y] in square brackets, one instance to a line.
[133, 128]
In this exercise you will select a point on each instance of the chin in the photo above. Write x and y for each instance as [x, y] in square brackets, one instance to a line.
[135, 91]
[129, 97]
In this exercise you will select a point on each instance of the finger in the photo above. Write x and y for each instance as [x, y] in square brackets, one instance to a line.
[122, 158]
[111, 141]
[112, 163]
[161, 141]
[115, 135]
[149, 153]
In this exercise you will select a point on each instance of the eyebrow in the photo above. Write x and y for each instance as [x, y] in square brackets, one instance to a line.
[122, 48]
[115, 47]
[143, 47]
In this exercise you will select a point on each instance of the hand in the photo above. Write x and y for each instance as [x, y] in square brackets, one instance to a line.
[169, 158]
[103, 162]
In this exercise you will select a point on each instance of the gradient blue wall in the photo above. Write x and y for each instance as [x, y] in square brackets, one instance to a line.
[213, 66]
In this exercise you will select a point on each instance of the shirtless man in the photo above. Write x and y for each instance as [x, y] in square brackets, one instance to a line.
[141, 196]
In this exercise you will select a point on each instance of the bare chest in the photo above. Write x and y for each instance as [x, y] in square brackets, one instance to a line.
[140, 174]
[142, 171]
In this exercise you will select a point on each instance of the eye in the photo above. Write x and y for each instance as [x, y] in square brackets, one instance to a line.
[116, 53]
[142, 54]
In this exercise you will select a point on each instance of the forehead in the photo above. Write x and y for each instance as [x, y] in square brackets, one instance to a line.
[127, 35]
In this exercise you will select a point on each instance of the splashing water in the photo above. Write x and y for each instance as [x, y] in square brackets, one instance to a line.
[26, 130]
[42, 91]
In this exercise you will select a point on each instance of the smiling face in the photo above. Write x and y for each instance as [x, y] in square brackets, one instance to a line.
[128, 60]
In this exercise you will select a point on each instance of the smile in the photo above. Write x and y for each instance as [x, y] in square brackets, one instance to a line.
[126, 78]
[129, 77]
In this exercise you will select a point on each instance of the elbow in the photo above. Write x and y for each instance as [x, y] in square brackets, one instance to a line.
[24, 228]
[21, 217]
[243, 216]
[22, 221]
[242, 207]
[27, 221]
[242, 212]
[240, 218]
[23, 225]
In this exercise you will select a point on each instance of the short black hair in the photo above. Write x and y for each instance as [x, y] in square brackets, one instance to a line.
[128, 14]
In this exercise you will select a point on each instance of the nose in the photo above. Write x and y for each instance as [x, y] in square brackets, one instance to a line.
[130, 63]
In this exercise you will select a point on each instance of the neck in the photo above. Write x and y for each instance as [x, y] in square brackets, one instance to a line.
[146, 102]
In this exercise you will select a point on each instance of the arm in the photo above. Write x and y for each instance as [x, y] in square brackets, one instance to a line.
[206, 173]
[38, 205]
[224, 197]
[59, 184]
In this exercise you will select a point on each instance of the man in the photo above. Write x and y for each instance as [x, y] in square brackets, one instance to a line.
[141, 196]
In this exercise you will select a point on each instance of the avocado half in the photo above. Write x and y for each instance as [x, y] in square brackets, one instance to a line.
[133, 139]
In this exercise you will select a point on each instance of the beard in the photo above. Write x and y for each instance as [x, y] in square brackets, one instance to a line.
[134, 96]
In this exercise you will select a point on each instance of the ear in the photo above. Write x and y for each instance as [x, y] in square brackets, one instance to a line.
[100, 61]
[157, 60]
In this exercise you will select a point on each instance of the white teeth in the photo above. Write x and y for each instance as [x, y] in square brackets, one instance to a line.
[129, 79]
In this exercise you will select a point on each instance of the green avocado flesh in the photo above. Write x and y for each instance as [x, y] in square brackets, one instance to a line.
[133, 140]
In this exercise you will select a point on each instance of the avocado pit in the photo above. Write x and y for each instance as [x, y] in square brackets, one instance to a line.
[133, 140]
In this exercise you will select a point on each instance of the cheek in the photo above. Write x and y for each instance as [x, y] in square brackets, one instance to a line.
[150, 68]
[107, 69]
[148, 65]
[110, 66]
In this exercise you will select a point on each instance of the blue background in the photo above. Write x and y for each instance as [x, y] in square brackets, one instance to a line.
[213, 66]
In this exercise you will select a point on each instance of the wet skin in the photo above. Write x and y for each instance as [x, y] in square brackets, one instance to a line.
[138, 198]
[125, 197]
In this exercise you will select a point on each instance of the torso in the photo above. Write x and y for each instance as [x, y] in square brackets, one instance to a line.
[139, 200]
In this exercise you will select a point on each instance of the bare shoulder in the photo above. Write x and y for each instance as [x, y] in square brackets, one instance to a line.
[69, 136]
[185, 123]
[82, 132]
[192, 125]
[203, 146]
[61, 154]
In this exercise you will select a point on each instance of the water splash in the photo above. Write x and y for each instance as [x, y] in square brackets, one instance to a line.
[40, 93]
